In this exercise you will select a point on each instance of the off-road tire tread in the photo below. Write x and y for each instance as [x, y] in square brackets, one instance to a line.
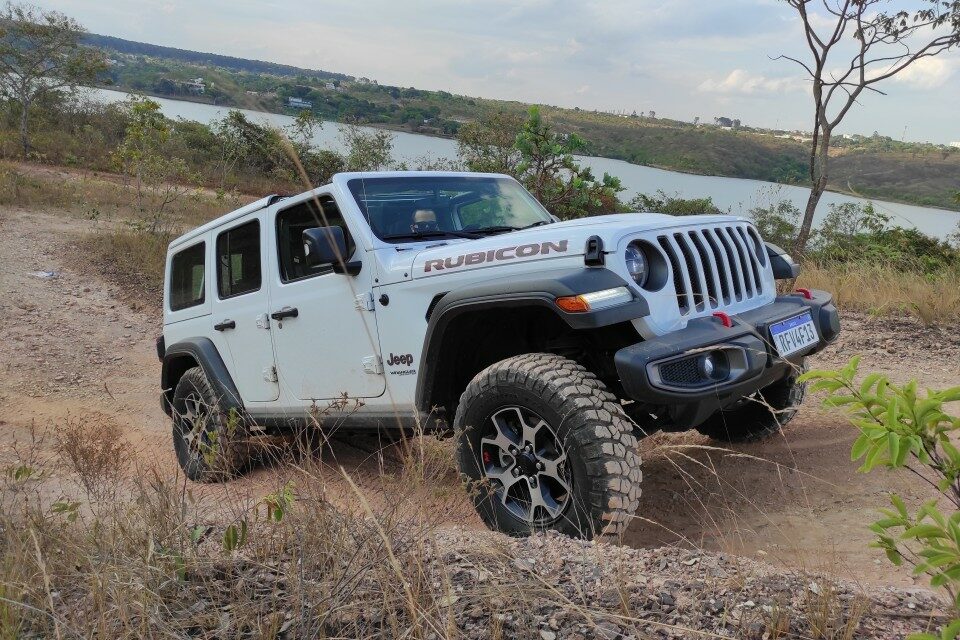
[755, 422]
[604, 432]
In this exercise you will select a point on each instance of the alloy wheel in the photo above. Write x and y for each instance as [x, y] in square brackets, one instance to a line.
[527, 465]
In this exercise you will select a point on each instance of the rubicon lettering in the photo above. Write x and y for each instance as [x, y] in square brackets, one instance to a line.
[495, 255]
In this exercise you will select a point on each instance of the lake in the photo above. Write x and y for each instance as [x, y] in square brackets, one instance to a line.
[734, 194]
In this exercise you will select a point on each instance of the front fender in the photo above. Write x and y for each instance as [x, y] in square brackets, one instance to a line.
[540, 289]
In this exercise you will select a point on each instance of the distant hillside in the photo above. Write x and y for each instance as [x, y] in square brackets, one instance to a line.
[196, 57]
[875, 166]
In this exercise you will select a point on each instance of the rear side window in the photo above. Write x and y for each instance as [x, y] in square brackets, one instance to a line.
[187, 277]
[291, 224]
[238, 260]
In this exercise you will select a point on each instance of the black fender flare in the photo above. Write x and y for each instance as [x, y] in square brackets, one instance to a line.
[205, 354]
[541, 289]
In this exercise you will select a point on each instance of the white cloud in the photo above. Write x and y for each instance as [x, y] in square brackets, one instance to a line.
[742, 81]
[927, 73]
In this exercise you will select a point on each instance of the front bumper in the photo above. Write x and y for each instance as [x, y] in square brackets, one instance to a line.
[753, 360]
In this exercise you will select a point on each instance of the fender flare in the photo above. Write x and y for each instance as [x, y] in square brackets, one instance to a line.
[540, 289]
[205, 354]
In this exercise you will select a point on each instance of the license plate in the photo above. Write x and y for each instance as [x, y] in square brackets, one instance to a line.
[790, 336]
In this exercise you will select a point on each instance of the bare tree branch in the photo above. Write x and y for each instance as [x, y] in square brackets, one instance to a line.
[886, 43]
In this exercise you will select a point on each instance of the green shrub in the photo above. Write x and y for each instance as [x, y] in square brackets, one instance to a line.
[661, 202]
[902, 429]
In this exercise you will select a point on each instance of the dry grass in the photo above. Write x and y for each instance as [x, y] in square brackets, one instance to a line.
[881, 289]
[97, 196]
[133, 260]
[96, 453]
[154, 563]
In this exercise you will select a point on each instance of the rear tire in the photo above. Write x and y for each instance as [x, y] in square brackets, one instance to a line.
[753, 420]
[549, 447]
[211, 445]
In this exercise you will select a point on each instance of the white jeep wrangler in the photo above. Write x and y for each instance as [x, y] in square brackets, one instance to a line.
[457, 300]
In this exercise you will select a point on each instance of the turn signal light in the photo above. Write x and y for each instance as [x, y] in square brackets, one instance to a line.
[595, 301]
[573, 304]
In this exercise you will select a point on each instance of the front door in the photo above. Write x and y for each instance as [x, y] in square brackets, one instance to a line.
[238, 317]
[324, 332]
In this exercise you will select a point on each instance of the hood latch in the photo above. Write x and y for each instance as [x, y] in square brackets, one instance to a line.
[593, 252]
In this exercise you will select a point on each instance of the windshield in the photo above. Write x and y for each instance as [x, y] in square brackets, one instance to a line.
[412, 207]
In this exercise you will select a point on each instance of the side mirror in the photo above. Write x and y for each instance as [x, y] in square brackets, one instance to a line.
[784, 266]
[327, 245]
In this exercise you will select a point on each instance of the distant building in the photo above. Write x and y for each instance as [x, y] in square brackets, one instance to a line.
[196, 86]
[299, 103]
[955, 144]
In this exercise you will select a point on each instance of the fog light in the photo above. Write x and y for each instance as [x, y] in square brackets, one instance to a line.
[707, 366]
[714, 366]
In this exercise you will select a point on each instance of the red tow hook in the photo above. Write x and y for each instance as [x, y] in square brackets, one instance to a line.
[806, 293]
[724, 318]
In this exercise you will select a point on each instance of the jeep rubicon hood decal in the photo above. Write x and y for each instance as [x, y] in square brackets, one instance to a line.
[495, 255]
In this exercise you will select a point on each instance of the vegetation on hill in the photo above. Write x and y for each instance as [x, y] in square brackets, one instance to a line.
[873, 166]
[212, 59]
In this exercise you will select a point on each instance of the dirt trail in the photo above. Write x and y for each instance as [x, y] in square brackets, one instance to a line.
[71, 346]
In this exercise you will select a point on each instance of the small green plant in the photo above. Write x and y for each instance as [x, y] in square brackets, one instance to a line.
[66, 508]
[278, 504]
[900, 428]
[235, 536]
[21, 472]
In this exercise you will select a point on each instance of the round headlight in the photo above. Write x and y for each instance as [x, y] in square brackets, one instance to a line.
[637, 265]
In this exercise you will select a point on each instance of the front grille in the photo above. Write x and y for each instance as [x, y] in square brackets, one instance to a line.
[714, 266]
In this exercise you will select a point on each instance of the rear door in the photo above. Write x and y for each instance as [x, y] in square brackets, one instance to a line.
[239, 318]
[325, 339]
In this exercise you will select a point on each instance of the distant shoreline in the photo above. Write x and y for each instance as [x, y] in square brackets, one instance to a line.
[400, 129]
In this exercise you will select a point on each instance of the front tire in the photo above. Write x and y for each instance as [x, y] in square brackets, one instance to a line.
[211, 445]
[550, 447]
[760, 416]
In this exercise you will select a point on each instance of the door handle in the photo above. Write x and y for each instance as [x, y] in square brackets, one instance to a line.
[286, 312]
[226, 324]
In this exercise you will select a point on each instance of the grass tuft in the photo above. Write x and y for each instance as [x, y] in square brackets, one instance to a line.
[882, 289]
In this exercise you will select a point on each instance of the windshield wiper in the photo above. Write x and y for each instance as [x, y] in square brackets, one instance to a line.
[504, 228]
[417, 235]
[496, 229]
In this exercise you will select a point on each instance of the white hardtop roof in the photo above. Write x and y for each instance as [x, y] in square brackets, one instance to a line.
[339, 180]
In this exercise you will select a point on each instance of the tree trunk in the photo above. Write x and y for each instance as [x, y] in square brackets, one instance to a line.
[24, 132]
[816, 191]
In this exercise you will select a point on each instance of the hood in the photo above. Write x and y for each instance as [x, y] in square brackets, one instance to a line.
[557, 240]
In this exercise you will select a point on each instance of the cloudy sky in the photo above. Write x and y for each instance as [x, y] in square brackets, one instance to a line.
[680, 58]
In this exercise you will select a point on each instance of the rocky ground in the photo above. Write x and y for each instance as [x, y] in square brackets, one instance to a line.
[72, 345]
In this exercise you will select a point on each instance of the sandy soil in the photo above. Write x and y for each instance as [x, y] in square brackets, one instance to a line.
[71, 345]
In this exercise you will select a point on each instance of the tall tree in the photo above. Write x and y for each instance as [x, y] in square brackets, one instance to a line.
[40, 53]
[855, 45]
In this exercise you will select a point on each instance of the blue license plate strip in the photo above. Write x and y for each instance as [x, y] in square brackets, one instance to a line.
[794, 334]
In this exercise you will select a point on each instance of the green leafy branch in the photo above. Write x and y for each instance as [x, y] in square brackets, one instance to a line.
[902, 429]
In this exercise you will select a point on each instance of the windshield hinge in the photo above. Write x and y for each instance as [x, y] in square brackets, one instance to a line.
[364, 302]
